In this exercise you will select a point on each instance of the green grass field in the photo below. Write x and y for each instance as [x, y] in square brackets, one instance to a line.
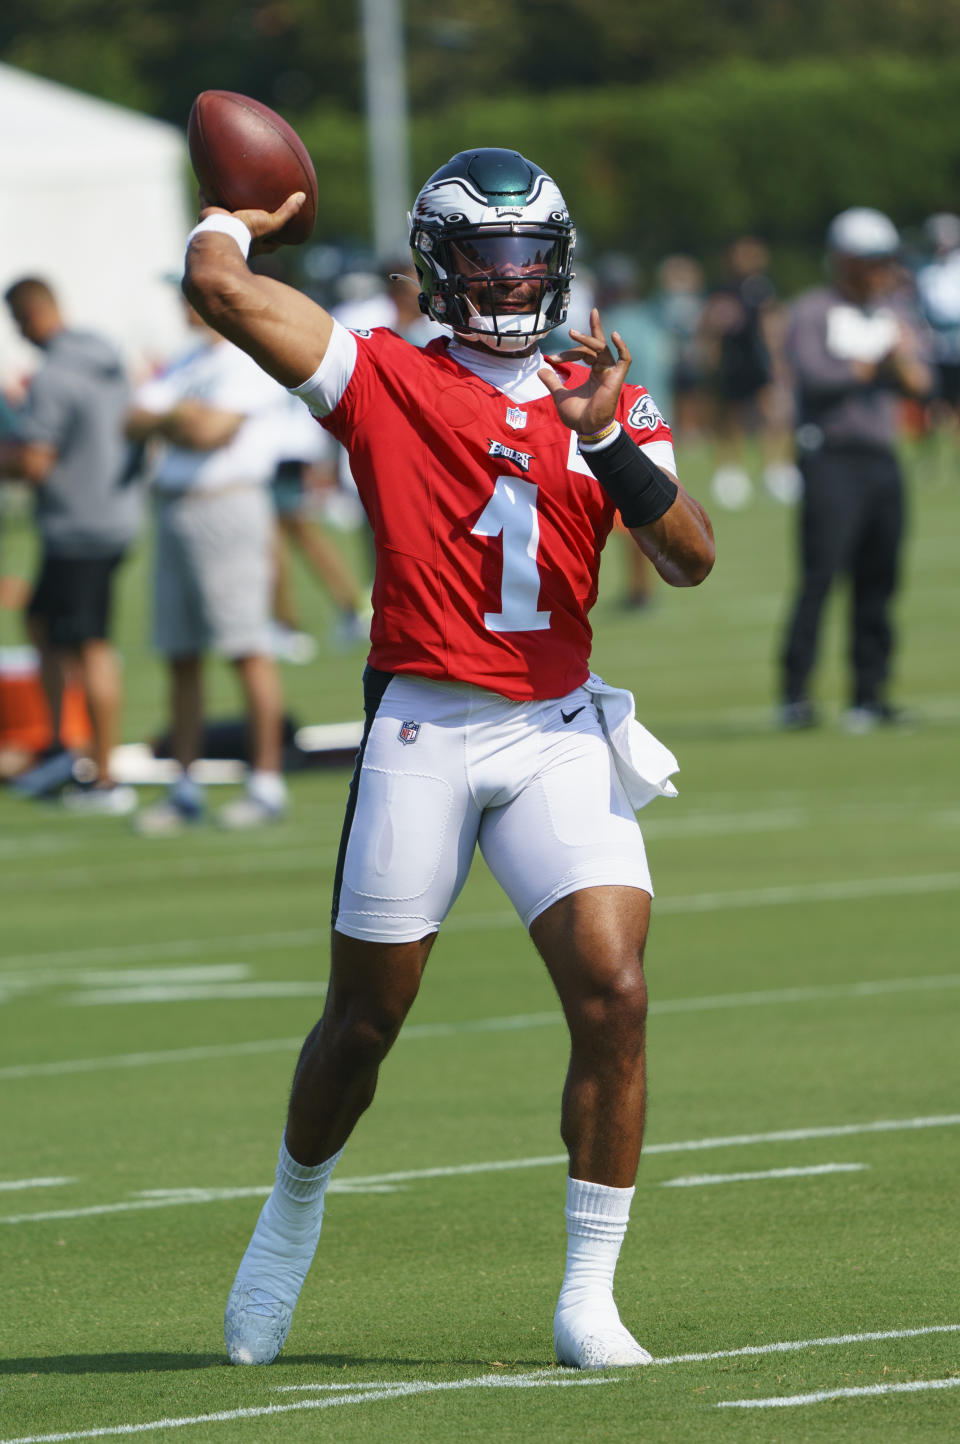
[794, 1235]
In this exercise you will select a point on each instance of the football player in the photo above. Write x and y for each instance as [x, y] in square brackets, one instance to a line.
[491, 478]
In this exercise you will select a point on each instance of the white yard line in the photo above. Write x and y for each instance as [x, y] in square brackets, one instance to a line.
[516, 1022]
[699, 1180]
[795, 1346]
[201, 1054]
[171, 948]
[292, 859]
[333, 1395]
[814, 994]
[361, 1394]
[835, 890]
[14, 1185]
[384, 1182]
[194, 993]
[786, 1401]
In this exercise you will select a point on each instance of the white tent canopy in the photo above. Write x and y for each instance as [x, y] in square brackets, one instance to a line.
[93, 199]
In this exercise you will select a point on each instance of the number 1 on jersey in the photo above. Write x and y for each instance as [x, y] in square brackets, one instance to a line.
[512, 513]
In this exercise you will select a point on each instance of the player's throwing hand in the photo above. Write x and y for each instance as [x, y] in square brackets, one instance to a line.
[262, 225]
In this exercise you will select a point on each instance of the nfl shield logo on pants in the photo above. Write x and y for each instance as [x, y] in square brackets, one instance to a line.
[409, 732]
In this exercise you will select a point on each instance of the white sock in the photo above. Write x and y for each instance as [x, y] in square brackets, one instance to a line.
[587, 1331]
[288, 1229]
[264, 1295]
[597, 1218]
[270, 789]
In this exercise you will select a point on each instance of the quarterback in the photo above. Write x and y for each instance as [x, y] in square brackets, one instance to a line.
[491, 477]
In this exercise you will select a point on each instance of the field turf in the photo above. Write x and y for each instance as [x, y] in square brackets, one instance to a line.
[792, 1260]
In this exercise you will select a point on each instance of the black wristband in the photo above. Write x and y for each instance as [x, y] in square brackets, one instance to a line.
[641, 491]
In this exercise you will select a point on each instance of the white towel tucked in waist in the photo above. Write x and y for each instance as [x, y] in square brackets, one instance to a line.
[643, 764]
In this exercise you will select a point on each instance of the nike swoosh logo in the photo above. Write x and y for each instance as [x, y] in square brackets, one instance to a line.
[569, 716]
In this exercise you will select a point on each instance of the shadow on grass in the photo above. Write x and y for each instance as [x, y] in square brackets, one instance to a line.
[173, 1363]
[109, 1363]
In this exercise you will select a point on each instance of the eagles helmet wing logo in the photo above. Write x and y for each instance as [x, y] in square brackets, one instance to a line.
[644, 413]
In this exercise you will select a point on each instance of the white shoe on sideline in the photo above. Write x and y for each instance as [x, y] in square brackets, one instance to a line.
[731, 488]
[288, 645]
[165, 819]
[247, 812]
[116, 800]
[352, 630]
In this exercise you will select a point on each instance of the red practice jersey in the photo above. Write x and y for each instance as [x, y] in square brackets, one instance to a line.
[488, 523]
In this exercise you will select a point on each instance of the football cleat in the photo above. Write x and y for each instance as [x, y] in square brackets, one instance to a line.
[255, 1325]
[594, 1338]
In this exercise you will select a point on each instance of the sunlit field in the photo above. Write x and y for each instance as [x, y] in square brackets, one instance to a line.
[792, 1260]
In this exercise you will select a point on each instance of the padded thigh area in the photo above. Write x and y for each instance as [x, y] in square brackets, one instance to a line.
[445, 765]
[399, 857]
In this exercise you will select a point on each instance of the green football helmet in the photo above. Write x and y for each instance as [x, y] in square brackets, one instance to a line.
[493, 246]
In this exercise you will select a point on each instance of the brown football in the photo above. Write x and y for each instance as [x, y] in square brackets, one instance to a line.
[246, 157]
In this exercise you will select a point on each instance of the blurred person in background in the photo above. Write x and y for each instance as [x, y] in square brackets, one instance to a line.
[212, 418]
[938, 294]
[626, 311]
[307, 467]
[13, 589]
[855, 350]
[388, 296]
[71, 448]
[738, 339]
[678, 301]
[403, 291]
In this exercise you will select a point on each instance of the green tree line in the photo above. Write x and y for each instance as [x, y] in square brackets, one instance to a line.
[676, 166]
[668, 128]
[155, 55]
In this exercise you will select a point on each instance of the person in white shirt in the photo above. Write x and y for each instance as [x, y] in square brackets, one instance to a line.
[213, 413]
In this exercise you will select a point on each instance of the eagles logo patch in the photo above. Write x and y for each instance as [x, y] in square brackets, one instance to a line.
[644, 414]
[520, 458]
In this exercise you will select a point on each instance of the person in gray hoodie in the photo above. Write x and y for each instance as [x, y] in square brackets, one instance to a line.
[71, 448]
[855, 348]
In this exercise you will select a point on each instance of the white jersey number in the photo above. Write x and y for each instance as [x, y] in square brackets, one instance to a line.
[512, 513]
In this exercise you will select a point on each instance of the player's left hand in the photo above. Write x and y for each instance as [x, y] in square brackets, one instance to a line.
[592, 405]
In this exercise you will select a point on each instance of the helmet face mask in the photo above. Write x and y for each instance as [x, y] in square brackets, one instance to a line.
[493, 246]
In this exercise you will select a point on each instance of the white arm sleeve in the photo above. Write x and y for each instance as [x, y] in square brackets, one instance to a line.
[661, 454]
[325, 387]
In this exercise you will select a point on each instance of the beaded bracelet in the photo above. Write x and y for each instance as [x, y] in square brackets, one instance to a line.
[598, 436]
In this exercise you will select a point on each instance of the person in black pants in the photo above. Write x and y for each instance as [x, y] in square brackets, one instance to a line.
[854, 348]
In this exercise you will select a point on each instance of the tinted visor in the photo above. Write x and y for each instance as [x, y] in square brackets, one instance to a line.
[513, 256]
